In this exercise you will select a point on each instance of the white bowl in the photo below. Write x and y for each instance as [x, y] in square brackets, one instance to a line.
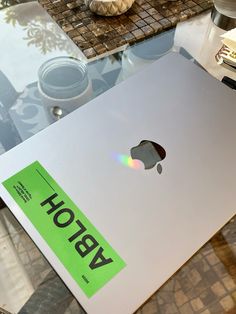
[109, 7]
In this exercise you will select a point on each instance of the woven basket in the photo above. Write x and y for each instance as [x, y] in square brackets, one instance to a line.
[109, 7]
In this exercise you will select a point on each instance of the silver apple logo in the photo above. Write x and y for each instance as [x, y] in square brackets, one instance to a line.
[150, 153]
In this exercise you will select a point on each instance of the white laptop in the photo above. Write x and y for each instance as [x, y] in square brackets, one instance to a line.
[122, 192]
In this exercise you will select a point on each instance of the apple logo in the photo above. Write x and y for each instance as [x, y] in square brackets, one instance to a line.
[150, 153]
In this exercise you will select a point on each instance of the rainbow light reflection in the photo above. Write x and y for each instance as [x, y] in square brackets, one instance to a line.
[128, 161]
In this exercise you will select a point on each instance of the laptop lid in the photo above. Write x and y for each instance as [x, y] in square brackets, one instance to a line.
[116, 228]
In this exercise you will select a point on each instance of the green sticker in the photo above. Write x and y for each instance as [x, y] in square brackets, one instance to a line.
[80, 247]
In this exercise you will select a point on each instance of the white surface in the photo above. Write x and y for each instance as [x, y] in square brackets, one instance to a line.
[154, 222]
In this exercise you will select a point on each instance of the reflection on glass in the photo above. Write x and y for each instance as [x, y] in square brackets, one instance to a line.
[40, 30]
[144, 53]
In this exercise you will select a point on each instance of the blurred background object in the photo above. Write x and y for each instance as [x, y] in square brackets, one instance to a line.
[224, 14]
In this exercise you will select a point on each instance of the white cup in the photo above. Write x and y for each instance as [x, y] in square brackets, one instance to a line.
[63, 84]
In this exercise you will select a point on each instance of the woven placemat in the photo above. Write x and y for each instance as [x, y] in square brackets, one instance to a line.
[95, 35]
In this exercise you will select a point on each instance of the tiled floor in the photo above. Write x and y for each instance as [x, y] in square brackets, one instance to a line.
[206, 284]
[30, 268]
[95, 36]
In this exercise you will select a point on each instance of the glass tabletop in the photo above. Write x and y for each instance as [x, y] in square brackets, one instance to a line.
[29, 37]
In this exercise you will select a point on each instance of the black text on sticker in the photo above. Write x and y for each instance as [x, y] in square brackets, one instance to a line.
[85, 243]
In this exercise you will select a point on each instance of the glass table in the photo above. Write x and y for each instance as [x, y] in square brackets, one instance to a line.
[207, 282]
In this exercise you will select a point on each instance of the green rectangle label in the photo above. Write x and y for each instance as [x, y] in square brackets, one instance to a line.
[80, 247]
